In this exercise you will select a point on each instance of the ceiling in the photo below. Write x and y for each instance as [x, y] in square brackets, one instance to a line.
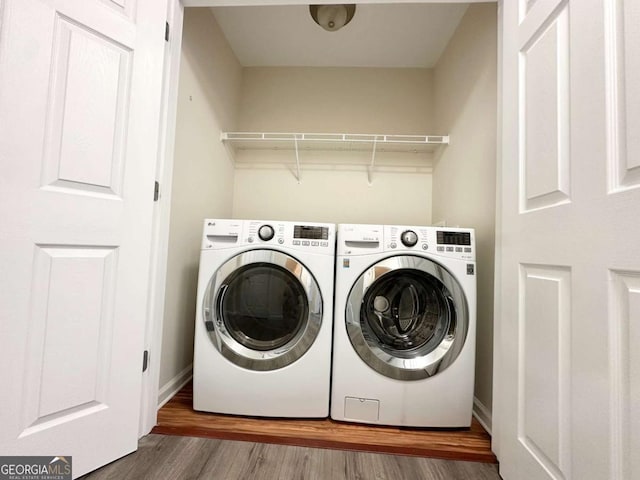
[380, 35]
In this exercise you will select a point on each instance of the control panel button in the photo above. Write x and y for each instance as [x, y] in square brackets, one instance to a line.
[393, 245]
[250, 239]
[266, 233]
[305, 243]
[449, 249]
[425, 246]
[281, 241]
[458, 249]
[315, 244]
[324, 244]
[440, 249]
[296, 242]
[409, 238]
[467, 249]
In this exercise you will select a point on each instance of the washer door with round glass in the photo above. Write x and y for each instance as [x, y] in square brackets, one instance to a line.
[262, 309]
[407, 317]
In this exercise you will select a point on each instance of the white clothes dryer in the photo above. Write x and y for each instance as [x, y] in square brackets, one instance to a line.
[264, 318]
[405, 323]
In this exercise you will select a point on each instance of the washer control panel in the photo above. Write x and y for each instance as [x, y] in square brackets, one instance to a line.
[442, 241]
[299, 235]
[451, 242]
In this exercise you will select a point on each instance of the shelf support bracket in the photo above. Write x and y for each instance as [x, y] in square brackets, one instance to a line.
[373, 161]
[295, 143]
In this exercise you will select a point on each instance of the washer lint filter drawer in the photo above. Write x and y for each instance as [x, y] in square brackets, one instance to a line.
[363, 409]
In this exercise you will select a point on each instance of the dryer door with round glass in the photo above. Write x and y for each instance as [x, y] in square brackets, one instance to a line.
[262, 309]
[407, 317]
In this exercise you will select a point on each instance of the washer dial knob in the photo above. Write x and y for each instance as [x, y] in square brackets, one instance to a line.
[266, 232]
[409, 238]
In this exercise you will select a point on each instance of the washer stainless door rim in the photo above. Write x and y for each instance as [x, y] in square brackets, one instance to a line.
[262, 309]
[407, 317]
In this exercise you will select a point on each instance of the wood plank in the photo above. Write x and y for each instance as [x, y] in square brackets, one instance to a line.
[177, 417]
[180, 457]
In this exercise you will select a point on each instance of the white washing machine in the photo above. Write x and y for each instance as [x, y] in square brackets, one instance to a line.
[405, 323]
[264, 318]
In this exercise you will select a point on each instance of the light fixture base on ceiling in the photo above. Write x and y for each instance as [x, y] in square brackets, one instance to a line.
[332, 17]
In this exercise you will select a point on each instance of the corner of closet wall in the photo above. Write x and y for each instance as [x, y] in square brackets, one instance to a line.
[465, 87]
[203, 176]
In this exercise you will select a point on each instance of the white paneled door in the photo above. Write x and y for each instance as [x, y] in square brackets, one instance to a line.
[567, 402]
[80, 84]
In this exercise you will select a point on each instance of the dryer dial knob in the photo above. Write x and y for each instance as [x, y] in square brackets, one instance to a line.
[409, 238]
[266, 232]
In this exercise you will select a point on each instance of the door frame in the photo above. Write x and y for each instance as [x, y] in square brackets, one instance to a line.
[162, 216]
[496, 420]
[153, 338]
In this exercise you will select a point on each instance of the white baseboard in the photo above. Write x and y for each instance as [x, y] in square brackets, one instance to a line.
[173, 386]
[482, 414]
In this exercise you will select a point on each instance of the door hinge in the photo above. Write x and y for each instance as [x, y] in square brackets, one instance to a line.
[166, 31]
[156, 191]
[145, 361]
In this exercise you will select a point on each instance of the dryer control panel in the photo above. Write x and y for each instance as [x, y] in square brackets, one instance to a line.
[304, 236]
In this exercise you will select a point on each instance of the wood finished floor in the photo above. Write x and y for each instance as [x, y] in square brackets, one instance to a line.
[177, 417]
[177, 458]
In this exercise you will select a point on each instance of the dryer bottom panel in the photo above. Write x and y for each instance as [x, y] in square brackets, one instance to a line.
[288, 401]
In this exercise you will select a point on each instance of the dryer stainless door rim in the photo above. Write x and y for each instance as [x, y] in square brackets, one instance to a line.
[262, 309]
[407, 317]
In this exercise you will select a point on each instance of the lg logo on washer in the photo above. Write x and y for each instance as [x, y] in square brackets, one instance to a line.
[360, 240]
[219, 234]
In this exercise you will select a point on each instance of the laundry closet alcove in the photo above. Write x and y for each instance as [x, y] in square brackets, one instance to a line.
[450, 96]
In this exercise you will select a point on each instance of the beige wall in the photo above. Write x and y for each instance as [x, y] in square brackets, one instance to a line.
[335, 196]
[335, 100]
[464, 175]
[203, 174]
[353, 100]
